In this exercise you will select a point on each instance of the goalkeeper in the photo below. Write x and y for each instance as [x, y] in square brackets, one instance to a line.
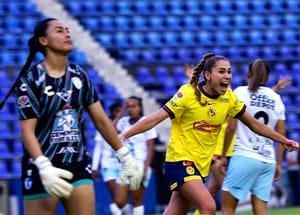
[52, 96]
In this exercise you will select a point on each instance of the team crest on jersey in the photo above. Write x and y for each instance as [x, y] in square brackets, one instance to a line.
[211, 112]
[23, 102]
[179, 94]
[65, 94]
[190, 170]
[77, 82]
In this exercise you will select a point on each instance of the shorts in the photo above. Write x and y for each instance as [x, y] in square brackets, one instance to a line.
[180, 172]
[33, 188]
[109, 174]
[246, 175]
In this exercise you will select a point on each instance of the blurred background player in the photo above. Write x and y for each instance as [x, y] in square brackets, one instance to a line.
[142, 148]
[105, 157]
[254, 164]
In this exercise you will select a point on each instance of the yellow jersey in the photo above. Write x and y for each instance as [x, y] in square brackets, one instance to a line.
[195, 127]
[220, 142]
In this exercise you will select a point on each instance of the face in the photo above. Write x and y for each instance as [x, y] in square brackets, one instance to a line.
[57, 39]
[218, 79]
[133, 108]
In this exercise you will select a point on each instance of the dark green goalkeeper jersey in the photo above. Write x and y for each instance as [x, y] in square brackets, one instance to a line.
[58, 104]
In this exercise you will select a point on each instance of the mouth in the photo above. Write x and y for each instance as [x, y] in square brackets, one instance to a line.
[224, 85]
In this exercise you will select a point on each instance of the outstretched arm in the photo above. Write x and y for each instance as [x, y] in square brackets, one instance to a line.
[282, 83]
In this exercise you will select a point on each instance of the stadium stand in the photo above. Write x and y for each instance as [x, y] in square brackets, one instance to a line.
[152, 40]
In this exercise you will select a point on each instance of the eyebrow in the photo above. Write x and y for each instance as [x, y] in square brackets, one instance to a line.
[60, 27]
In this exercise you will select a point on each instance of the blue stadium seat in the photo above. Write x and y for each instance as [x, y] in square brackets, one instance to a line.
[161, 74]
[106, 8]
[237, 37]
[251, 52]
[147, 55]
[11, 24]
[158, 7]
[189, 22]
[139, 23]
[271, 36]
[284, 52]
[276, 6]
[256, 37]
[121, 23]
[90, 23]
[222, 37]
[281, 69]
[223, 21]
[166, 55]
[17, 148]
[105, 39]
[297, 100]
[187, 38]
[144, 76]
[268, 52]
[240, 6]
[178, 75]
[27, 23]
[176, 7]
[288, 102]
[4, 171]
[7, 58]
[224, 6]
[130, 56]
[273, 20]
[153, 38]
[156, 23]
[206, 21]
[16, 168]
[170, 87]
[88, 7]
[106, 23]
[170, 38]
[289, 36]
[141, 7]
[240, 21]
[192, 7]
[73, 7]
[292, 120]
[8, 41]
[123, 7]
[4, 150]
[120, 39]
[172, 22]
[257, 6]
[293, 5]
[209, 6]
[204, 37]
[294, 135]
[136, 39]
[257, 21]
[290, 20]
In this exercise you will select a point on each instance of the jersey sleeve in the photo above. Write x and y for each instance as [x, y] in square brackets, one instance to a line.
[237, 106]
[26, 94]
[177, 104]
[90, 95]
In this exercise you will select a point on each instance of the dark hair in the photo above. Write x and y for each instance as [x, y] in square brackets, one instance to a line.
[258, 71]
[206, 64]
[140, 103]
[34, 47]
[114, 106]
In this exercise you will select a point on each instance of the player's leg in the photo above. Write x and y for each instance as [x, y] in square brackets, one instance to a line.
[82, 200]
[45, 206]
[262, 187]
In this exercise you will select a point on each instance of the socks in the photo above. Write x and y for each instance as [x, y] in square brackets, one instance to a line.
[138, 210]
[127, 209]
[114, 209]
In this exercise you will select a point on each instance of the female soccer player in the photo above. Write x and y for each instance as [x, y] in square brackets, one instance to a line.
[51, 98]
[197, 112]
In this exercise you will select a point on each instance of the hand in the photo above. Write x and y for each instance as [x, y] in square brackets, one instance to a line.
[189, 70]
[291, 145]
[221, 164]
[96, 175]
[51, 178]
[282, 83]
[131, 170]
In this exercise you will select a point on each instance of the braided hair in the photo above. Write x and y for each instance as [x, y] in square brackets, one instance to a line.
[34, 47]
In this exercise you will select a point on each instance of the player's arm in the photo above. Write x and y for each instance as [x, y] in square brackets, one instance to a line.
[282, 83]
[280, 128]
[150, 154]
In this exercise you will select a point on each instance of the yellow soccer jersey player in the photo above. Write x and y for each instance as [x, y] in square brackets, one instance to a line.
[200, 136]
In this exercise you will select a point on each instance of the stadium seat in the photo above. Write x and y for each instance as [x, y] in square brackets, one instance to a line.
[105, 39]
[237, 37]
[273, 21]
[123, 7]
[189, 22]
[183, 55]
[4, 150]
[129, 56]
[206, 21]
[292, 120]
[251, 52]
[158, 7]
[204, 37]
[256, 37]
[106, 23]
[156, 23]
[176, 7]
[88, 7]
[290, 20]
[141, 7]
[172, 22]
[257, 21]
[178, 75]
[288, 102]
[139, 23]
[240, 6]
[169, 38]
[136, 39]
[106, 8]
[16, 168]
[166, 55]
[268, 52]
[187, 38]
[224, 6]
[240, 21]
[289, 36]
[153, 39]
[192, 7]
[294, 135]
[284, 52]
[257, 6]
[209, 6]
[73, 7]
[121, 23]
[144, 76]
[271, 36]
[120, 39]
[223, 21]
[4, 171]
[148, 56]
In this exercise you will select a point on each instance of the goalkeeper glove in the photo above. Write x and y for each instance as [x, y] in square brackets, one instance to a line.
[131, 170]
[51, 178]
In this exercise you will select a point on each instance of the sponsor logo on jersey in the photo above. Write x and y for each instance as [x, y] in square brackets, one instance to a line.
[204, 126]
[23, 102]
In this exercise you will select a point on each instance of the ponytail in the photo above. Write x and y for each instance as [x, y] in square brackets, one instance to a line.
[258, 71]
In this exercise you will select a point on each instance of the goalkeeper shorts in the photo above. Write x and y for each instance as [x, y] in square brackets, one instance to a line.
[33, 188]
